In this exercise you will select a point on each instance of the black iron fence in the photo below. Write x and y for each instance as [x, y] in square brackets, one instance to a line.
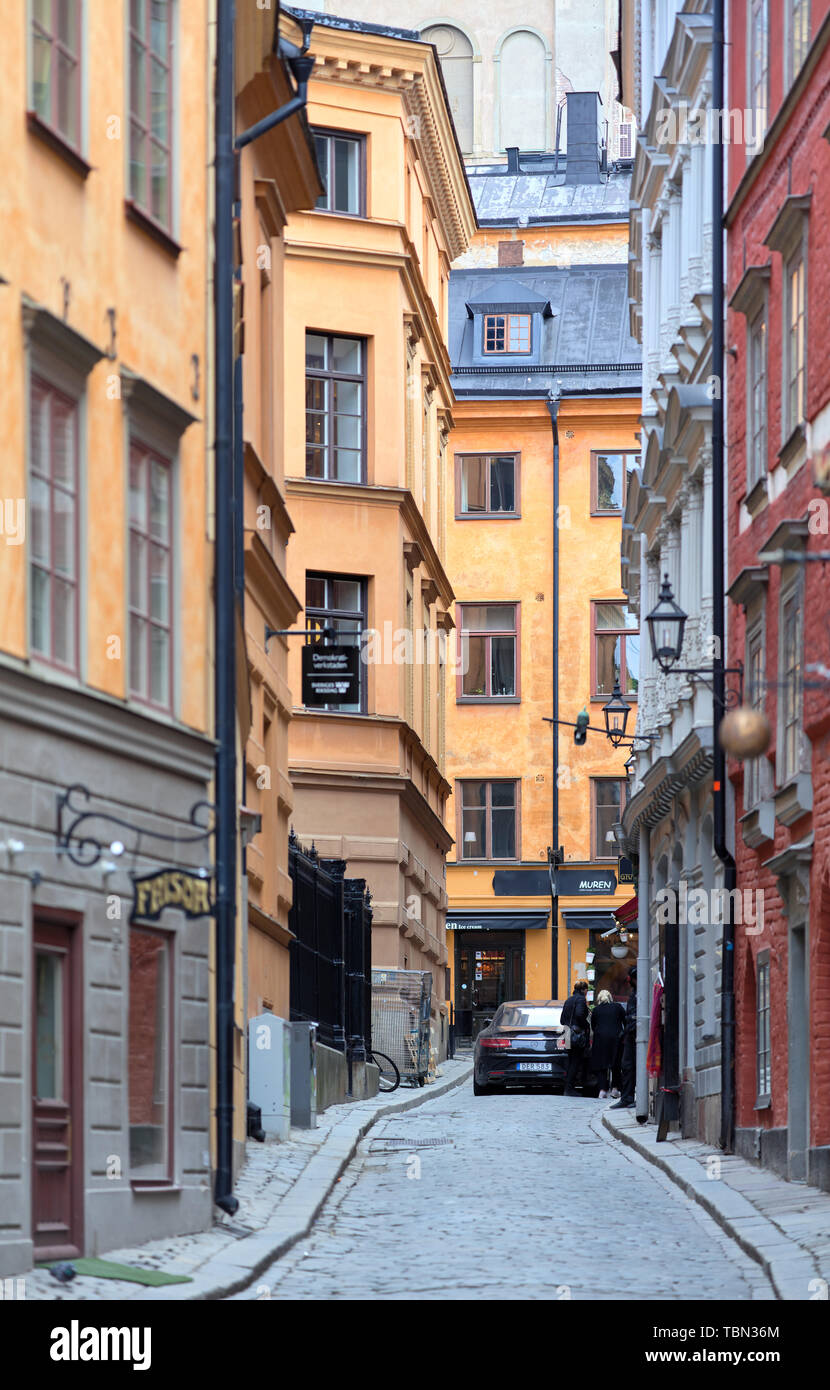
[331, 919]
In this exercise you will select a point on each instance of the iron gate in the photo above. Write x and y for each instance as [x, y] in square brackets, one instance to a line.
[331, 919]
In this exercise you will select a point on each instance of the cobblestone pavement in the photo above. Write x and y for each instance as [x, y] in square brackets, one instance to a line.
[529, 1200]
[266, 1186]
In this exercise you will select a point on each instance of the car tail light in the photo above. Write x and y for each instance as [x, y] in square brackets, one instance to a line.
[495, 1042]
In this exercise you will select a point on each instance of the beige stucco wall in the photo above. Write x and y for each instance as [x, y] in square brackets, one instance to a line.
[573, 54]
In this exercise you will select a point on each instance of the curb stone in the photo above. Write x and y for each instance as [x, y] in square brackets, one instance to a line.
[788, 1266]
[239, 1266]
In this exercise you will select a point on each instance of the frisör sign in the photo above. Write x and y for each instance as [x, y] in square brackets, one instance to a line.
[330, 675]
[171, 888]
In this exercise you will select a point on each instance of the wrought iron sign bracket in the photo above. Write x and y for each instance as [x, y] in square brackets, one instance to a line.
[84, 848]
[733, 695]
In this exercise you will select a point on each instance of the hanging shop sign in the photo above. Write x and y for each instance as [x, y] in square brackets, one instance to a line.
[171, 888]
[625, 870]
[330, 675]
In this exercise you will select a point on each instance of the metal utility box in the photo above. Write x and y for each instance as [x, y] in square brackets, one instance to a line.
[304, 1075]
[269, 1072]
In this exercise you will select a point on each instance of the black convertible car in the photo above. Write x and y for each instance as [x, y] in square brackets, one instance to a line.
[521, 1047]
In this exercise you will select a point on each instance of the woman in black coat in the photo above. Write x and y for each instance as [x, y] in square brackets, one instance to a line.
[607, 1023]
[575, 1014]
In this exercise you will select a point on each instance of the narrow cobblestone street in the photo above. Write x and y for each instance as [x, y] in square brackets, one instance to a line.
[521, 1197]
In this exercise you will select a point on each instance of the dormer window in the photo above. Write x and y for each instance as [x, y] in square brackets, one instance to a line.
[506, 333]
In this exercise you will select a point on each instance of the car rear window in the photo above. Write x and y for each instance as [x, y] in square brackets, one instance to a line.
[530, 1018]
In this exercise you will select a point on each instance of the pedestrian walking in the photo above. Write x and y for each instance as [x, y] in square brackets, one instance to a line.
[575, 1016]
[607, 1025]
[629, 1058]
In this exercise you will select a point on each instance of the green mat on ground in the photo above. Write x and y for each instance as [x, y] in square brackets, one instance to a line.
[107, 1269]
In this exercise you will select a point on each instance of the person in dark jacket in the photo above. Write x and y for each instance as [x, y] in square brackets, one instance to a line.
[575, 1015]
[607, 1024]
[629, 1059]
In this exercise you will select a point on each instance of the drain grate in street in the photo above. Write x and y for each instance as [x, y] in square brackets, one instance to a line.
[396, 1142]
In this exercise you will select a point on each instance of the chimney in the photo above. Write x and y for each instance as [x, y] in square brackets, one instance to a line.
[512, 152]
[511, 253]
[584, 151]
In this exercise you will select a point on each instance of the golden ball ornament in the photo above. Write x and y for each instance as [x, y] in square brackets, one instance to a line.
[745, 733]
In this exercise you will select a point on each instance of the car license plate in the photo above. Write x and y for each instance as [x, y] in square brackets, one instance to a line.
[534, 1066]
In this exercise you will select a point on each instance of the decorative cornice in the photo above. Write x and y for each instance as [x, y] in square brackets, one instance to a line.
[142, 395]
[46, 330]
[787, 229]
[752, 290]
[393, 64]
[749, 585]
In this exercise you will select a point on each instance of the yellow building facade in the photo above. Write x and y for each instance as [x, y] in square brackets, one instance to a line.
[502, 536]
[106, 755]
[365, 377]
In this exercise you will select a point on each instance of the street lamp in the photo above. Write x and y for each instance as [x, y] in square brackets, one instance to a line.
[616, 716]
[666, 625]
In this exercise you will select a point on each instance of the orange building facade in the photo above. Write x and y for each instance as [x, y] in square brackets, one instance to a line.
[278, 175]
[365, 377]
[549, 284]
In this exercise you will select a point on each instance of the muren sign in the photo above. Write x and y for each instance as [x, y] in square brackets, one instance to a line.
[171, 888]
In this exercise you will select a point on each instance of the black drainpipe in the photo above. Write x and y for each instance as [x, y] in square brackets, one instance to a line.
[553, 410]
[727, 1131]
[224, 607]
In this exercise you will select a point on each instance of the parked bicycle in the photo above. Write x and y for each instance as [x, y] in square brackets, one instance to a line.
[390, 1077]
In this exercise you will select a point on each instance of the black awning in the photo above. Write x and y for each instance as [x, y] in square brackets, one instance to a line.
[495, 921]
[590, 921]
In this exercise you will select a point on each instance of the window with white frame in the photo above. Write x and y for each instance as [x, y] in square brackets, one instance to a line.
[755, 769]
[756, 425]
[795, 342]
[763, 1049]
[53, 524]
[798, 36]
[341, 162]
[758, 73]
[151, 577]
[56, 74]
[151, 108]
[790, 736]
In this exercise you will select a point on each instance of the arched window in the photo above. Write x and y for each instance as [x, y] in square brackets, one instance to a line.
[523, 98]
[456, 54]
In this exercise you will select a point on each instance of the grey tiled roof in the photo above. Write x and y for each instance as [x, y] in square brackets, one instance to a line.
[585, 344]
[543, 197]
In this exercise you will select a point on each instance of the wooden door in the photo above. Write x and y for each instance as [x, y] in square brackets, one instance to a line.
[57, 1174]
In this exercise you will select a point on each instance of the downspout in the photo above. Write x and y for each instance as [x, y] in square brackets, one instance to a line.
[719, 601]
[643, 977]
[224, 608]
[553, 402]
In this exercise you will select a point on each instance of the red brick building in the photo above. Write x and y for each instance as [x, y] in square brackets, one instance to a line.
[778, 432]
